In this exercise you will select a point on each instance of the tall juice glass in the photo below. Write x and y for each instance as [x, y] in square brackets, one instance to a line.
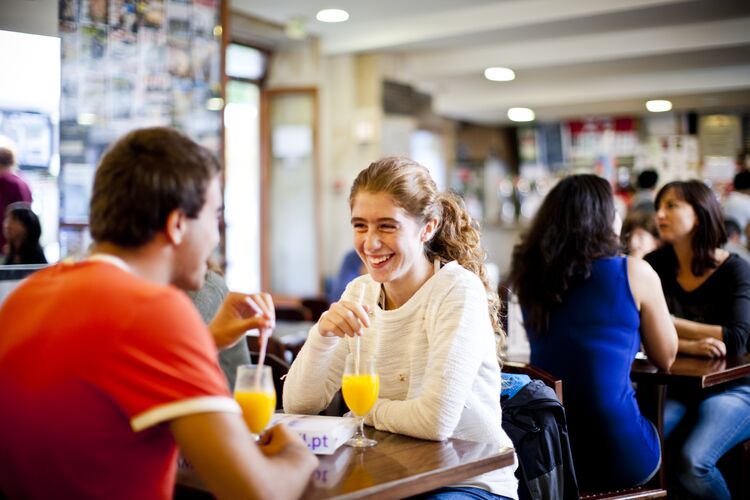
[256, 396]
[360, 385]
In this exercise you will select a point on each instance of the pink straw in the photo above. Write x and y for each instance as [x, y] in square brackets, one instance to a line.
[264, 334]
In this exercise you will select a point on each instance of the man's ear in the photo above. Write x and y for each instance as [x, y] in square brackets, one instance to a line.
[428, 231]
[175, 227]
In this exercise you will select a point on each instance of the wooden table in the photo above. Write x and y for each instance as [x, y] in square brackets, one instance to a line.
[689, 371]
[399, 466]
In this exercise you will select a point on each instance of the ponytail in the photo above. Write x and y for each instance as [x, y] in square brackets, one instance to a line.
[458, 238]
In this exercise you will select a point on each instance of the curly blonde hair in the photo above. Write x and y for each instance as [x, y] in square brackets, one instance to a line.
[457, 236]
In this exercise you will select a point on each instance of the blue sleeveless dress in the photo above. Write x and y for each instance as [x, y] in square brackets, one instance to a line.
[592, 341]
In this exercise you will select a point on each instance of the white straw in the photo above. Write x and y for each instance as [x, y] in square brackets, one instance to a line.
[356, 356]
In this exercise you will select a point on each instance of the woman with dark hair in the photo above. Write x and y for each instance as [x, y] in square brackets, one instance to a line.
[708, 294]
[433, 325]
[587, 310]
[22, 232]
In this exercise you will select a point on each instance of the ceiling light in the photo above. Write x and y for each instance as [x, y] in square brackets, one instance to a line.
[658, 105]
[521, 114]
[499, 74]
[332, 16]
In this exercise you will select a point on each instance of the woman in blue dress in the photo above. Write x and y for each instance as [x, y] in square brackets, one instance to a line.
[708, 293]
[587, 310]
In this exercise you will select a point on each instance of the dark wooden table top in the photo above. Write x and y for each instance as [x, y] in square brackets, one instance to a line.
[398, 466]
[692, 371]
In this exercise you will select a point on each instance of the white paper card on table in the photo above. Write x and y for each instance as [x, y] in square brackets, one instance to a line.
[322, 434]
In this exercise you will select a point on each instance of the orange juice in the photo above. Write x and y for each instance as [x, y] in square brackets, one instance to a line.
[360, 392]
[257, 408]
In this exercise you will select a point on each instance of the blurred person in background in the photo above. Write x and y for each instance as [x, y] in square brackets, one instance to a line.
[708, 293]
[737, 204]
[12, 187]
[208, 299]
[734, 239]
[643, 199]
[587, 310]
[639, 235]
[22, 231]
[351, 267]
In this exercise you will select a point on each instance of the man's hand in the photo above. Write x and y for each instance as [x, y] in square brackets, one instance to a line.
[279, 439]
[239, 313]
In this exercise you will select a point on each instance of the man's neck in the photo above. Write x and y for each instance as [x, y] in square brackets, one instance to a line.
[149, 261]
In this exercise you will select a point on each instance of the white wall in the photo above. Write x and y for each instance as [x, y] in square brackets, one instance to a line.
[29, 16]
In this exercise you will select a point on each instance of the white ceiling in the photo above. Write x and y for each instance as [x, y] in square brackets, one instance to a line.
[571, 57]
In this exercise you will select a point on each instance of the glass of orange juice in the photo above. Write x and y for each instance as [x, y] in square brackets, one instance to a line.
[256, 396]
[360, 385]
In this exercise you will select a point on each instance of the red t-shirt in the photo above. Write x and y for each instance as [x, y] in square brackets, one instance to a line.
[94, 363]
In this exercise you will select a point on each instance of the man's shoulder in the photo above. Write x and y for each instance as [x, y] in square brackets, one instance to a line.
[102, 285]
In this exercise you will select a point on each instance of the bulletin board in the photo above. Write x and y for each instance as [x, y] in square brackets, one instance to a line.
[128, 64]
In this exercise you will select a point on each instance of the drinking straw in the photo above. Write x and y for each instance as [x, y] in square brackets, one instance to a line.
[357, 342]
[264, 333]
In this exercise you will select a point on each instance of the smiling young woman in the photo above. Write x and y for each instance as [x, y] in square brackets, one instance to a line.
[424, 309]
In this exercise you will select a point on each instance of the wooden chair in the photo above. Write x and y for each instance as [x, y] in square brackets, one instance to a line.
[652, 490]
[316, 306]
[630, 494]
[535, 373]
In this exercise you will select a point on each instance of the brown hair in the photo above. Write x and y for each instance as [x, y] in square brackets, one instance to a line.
[638, 219]
[142, 178]
[571, 229]
[457, 236]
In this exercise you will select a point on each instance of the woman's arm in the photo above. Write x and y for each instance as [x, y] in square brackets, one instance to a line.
[732, 290]
[460, 335]
[692, 330]
[657, 330]
[315, 374]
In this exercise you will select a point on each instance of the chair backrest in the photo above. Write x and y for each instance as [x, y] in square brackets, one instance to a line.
[536, 373]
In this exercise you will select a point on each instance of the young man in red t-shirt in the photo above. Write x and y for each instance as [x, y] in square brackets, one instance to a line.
[105, 366]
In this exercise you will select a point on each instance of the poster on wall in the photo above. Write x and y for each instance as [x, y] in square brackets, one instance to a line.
[128, 64]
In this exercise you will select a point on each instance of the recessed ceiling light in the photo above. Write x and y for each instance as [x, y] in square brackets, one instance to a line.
[498, 74]
[658, 105]
[521, 114]
[332, 16]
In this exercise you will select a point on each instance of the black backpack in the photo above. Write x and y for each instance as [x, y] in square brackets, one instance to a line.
[535, 421]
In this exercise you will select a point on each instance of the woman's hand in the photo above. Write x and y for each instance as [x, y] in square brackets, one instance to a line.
[343, 319]
[239, 313]
[707, 347]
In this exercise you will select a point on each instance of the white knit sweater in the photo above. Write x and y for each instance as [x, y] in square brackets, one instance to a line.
[436, 357]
